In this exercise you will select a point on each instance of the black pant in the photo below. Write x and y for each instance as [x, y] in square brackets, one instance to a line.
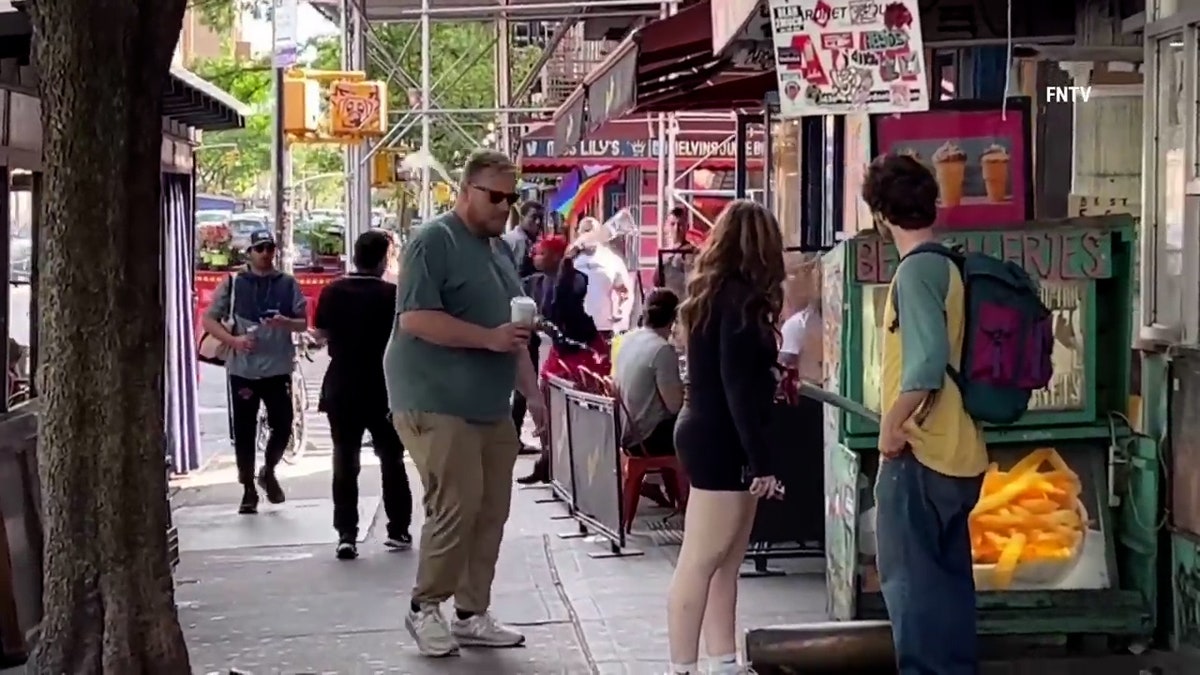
[661, 441]
[519, 405]
[346, 425]
[276, 394]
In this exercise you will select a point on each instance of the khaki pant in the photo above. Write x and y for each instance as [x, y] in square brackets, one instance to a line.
[467, 471]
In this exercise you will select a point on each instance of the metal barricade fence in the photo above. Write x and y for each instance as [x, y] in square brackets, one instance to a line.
[585, 463]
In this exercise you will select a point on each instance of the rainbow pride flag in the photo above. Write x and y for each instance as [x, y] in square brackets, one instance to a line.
[580, 188]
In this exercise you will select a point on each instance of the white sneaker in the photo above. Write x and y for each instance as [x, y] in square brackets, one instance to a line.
[429, 628]
[481, 630]
[729, 669]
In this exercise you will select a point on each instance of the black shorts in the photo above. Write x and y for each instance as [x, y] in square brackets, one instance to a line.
[712, 461]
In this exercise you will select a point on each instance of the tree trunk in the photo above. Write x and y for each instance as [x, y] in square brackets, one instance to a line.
[109, 598]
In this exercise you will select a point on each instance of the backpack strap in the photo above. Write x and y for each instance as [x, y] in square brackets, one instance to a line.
[953, 255]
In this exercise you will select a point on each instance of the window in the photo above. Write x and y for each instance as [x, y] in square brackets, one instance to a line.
[21, 340]
[1164, 9]
[1167, 227]
[786, 187]
[944, 75]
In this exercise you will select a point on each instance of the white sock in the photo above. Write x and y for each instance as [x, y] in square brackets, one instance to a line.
[723, 665]
[683, 669]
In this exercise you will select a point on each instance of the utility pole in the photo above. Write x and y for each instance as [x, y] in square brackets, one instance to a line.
[283, 29]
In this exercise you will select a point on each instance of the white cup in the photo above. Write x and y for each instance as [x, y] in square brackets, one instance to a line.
[524, 311]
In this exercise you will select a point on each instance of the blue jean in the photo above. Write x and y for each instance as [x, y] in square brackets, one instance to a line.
[923, 551]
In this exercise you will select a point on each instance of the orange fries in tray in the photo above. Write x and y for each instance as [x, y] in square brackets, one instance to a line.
[1029, 524]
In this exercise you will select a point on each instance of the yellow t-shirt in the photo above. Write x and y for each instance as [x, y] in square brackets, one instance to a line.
[612, 351]
[923, 327]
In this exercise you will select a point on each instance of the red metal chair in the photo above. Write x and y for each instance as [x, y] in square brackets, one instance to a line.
[636, 467]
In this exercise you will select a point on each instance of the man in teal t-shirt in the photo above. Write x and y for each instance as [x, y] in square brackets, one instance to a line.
[451, 367]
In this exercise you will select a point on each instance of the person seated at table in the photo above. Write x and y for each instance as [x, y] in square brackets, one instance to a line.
[559, 290]
[646, 372]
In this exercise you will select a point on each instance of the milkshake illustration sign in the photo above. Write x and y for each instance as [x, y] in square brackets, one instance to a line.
[834, 57]
[979, 151]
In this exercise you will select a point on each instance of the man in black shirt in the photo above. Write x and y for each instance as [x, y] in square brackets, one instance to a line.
[522, 239]
[355, 315]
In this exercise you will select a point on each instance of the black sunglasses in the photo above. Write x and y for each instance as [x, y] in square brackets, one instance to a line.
[497, 196]
[263, 248]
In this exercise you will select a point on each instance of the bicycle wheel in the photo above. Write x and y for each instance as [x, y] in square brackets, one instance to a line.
[262, 433]
[298, 441]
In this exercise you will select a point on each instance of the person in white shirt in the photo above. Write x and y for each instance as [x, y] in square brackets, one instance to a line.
[609, 298]
[802, 333]
[800, 346]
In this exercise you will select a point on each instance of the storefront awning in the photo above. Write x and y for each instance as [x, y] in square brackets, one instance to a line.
[726, 90]
[655, 57]
[199, 103]
[568, 120]
[634, 143]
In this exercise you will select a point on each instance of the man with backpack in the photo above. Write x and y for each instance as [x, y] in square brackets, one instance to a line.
[935, 395]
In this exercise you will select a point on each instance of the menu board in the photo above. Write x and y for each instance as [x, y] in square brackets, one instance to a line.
[1066, 301]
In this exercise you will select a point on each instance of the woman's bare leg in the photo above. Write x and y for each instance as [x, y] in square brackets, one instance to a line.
[712, 528]
[720, 614]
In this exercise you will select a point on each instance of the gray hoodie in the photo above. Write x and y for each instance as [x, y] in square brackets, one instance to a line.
[253, 295]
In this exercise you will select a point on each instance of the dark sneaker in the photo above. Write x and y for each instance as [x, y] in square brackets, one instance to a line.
[540, 474]
[346, 549]
[400, 542]
[249, 501]
[270, 484]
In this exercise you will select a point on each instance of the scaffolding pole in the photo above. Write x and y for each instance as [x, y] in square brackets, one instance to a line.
[358, 183]
[426, 203]
[503, 84]
[280, 170]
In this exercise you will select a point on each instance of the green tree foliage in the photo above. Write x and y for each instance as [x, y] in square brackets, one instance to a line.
[234, 162]
[221, 15]
[463, 63]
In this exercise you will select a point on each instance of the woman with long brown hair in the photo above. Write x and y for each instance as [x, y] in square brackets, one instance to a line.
[735, 296]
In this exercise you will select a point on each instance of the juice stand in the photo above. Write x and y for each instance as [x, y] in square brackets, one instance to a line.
[1065, 536]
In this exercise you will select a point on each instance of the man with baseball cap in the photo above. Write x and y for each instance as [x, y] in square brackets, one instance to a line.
[266, 307]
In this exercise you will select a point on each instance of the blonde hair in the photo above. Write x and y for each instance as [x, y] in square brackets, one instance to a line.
[744, 244]
[483, 160]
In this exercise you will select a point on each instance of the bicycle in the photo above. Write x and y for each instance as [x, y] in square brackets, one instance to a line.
[298, 440]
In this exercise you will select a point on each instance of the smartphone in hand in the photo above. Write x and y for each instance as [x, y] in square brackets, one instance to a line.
[268, 317]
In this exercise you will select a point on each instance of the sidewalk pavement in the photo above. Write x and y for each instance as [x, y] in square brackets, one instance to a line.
[264, 593]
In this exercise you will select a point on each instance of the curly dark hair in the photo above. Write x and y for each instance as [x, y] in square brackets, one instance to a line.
[745, 243]
[901, 190]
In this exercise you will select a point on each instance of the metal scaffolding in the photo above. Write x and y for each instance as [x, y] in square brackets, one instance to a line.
[512, 106]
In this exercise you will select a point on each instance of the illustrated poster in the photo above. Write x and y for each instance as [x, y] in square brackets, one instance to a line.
[834, 57]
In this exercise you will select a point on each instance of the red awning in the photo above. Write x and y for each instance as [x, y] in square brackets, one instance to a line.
[662, 50]
[726, 91]
[666, 66]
